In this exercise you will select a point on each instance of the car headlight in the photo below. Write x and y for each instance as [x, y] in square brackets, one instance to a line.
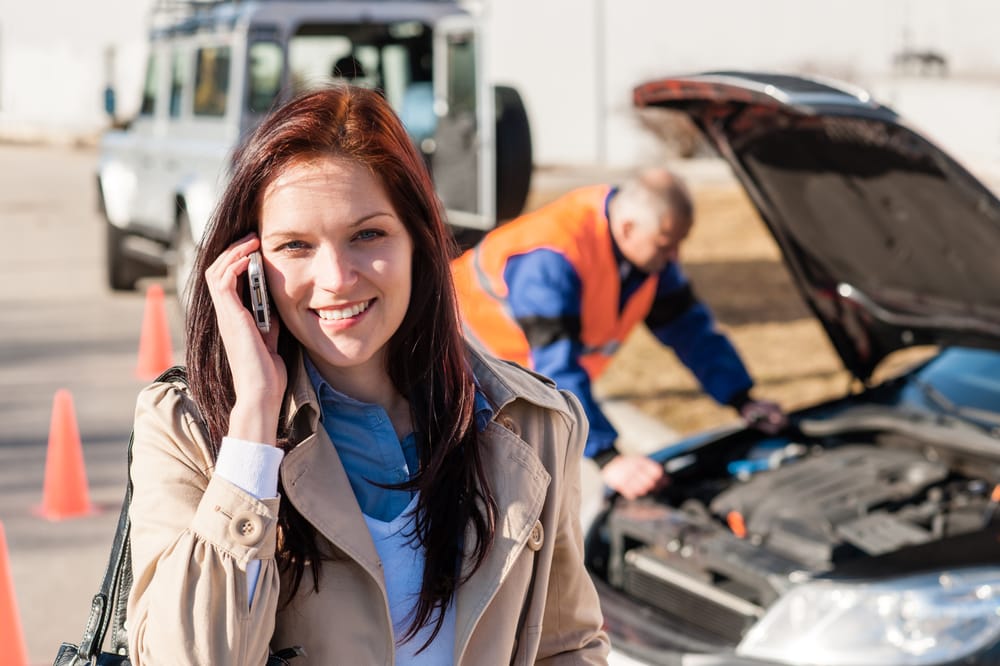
[910, 621]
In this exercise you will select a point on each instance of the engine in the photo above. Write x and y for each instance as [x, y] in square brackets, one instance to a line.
[723, 549]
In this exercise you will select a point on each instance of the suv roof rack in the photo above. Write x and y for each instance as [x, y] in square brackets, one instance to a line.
[167, 14]
[170, 13]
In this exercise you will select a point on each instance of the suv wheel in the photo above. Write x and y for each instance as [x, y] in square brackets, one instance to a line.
[120, 269]
[513, 159]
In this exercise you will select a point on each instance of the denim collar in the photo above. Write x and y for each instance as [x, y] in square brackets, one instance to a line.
[483, 410]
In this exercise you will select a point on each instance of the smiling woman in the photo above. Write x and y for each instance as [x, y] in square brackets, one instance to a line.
[357, 481]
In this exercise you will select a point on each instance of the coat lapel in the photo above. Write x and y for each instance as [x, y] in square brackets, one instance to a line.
[519, 480]
[315, 482]
[519, 483]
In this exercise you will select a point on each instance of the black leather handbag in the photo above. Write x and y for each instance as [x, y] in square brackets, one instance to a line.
[107, 610]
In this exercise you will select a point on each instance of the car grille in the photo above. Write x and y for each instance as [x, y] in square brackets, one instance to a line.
[689, 600]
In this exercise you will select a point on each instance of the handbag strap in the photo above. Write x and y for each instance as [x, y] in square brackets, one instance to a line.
[109, 605]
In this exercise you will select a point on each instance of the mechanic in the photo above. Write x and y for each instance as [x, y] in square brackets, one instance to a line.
[559, 289]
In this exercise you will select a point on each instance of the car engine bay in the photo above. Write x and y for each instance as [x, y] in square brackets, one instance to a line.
[733, 531]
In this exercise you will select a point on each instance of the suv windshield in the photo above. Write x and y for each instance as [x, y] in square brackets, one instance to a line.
[389, 57]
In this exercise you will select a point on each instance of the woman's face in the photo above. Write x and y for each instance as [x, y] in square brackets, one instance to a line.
[337, 260]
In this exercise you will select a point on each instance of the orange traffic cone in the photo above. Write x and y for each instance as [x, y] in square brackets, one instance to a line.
[155, 351]
[65, 493]
[11, 633]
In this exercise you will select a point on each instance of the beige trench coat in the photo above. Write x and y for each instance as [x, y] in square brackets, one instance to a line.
[193, 535]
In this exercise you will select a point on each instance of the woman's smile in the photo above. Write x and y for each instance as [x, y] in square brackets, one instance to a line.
[347, 314]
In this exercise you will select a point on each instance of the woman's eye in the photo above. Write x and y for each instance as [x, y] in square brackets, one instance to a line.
[368, 234]
[293, 245]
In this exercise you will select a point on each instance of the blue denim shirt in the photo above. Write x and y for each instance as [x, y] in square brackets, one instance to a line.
[369, 449]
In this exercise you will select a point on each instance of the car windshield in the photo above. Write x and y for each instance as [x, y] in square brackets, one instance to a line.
[960, 382]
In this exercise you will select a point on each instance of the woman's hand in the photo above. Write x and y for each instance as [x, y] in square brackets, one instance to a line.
[259, 373]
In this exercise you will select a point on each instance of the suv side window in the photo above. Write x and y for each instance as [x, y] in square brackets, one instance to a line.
[265, 62]
[178, 74]
[211, 83]
[149, 86]
[461, 75]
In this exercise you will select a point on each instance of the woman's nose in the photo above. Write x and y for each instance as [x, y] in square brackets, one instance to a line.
[334, 269]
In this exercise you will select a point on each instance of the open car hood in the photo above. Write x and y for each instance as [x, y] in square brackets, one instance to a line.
[891, 242]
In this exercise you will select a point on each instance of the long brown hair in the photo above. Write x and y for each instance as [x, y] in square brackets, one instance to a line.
[426, 360]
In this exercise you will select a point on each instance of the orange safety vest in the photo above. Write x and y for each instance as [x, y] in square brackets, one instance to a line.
[576, 227]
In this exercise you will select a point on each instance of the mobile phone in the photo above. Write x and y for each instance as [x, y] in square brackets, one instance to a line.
[259, 305]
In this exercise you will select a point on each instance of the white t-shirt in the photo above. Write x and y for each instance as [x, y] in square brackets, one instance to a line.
[403, 567]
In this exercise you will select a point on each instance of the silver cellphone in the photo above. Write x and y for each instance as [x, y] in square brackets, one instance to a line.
[258, 293]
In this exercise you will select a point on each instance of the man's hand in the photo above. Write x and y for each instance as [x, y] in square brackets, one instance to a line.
[764, 415]
[633, 476]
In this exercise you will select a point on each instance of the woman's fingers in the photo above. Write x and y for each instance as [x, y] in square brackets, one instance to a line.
[230, 264]
[271, 337]
[249, 354]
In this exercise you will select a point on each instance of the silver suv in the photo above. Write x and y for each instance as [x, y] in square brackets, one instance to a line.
[215, 69]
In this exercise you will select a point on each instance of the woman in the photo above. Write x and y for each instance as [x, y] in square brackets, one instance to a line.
[356, 481]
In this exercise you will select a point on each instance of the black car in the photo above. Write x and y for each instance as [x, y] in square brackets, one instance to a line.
[868, 533]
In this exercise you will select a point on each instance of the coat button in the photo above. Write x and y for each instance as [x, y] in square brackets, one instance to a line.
[246, 528]
[510, 424]
[537, 536]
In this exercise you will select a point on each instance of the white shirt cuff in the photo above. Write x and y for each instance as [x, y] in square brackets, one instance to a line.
[250, 465]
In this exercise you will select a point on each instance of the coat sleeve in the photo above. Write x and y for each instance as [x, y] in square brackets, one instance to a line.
[572, 624]
[193, 535]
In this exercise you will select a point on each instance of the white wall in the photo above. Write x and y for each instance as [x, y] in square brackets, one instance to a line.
[574, 68]
[545, 49]
[52, 64]
[574, 61]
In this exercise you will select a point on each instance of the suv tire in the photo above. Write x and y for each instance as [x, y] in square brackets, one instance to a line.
[514, 158]
[121, 270]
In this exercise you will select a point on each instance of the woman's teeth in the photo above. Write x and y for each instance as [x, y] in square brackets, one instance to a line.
[344, 313]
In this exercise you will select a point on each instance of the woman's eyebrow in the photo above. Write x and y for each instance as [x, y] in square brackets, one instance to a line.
[281, 234]
[369, 216]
